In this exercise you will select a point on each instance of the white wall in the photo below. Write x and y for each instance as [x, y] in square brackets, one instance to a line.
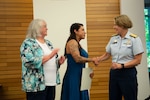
[135, 10]
[59, 15]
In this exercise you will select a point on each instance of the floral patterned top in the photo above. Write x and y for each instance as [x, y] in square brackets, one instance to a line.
[32, 68]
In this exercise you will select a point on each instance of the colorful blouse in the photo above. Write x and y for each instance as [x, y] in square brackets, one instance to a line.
[32, 68]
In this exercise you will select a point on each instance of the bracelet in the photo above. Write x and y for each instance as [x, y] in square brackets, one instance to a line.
[122, 66]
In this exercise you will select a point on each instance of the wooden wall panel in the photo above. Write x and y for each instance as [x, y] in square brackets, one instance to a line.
[99, 17]
[15, 16]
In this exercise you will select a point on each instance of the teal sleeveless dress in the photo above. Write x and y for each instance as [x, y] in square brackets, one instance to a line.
[72, 79]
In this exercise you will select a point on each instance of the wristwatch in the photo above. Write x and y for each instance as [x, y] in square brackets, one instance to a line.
[122, 66]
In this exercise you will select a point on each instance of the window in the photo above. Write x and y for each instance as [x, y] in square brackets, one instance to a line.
[147, 30]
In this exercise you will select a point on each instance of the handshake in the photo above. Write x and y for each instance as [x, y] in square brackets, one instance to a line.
[96, 60]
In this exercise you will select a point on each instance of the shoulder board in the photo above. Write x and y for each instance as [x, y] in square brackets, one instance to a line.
[133, 35]
[114, 35]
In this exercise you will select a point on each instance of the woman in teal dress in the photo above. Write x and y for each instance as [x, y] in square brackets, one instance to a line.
[76, 59]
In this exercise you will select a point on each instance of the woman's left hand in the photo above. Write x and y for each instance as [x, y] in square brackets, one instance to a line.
[92, 74]
[116, 66]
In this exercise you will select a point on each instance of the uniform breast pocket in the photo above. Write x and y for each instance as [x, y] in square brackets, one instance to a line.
[127, 49]
[114, 48]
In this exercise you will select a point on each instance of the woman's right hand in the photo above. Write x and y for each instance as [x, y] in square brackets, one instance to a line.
[51, 55]
[54, 51]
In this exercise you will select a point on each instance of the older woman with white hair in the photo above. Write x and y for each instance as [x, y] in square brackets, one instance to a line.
[40, 63]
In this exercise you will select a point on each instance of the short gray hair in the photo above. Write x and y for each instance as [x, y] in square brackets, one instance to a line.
[34, 28]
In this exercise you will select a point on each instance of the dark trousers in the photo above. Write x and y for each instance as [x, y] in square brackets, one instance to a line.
[124, 85]
[47, 94]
